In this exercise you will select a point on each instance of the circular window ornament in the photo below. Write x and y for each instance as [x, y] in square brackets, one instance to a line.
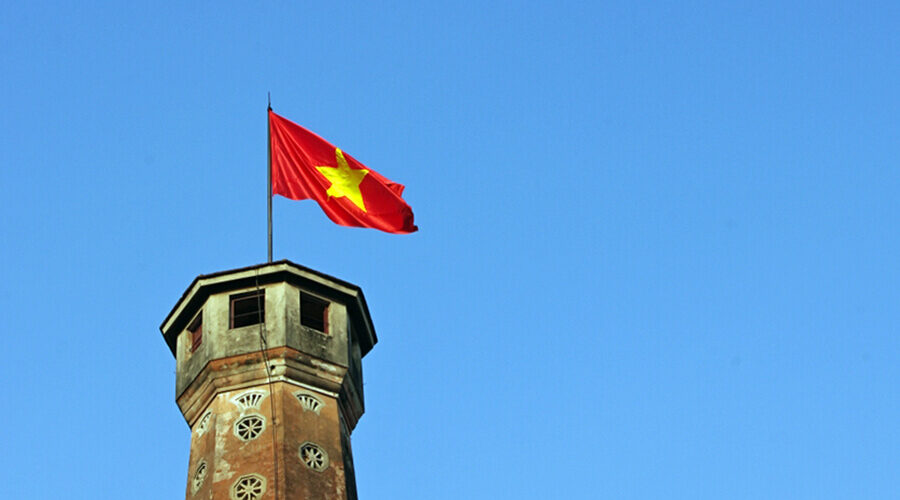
[313, 456]
[249, 427]
[199, 477]
[249, 487]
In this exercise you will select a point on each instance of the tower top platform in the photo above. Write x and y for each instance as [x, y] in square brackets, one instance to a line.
[322, 284]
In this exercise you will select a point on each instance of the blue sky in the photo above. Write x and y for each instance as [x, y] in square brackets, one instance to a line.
[657, 253]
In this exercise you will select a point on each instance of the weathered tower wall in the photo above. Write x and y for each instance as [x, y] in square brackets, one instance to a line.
[269, 378]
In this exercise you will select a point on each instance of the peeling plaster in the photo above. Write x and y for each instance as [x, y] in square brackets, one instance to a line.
[223, 468]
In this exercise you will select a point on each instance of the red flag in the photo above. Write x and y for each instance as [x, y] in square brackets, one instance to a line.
[307, 167]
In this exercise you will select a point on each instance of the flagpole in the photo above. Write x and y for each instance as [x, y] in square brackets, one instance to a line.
[269, 176]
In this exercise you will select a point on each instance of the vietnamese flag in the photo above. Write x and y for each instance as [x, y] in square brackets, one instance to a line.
[307, 167]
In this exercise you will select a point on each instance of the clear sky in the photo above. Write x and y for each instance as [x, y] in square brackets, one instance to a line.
[657, 256]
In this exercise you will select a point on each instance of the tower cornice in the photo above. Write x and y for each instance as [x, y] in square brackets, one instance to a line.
[285, 365]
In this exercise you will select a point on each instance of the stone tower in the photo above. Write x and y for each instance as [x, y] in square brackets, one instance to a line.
[269, 379]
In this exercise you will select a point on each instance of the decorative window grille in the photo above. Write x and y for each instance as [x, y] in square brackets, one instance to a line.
[313, 456]
[309, 402]
[248, 308]
[199, 476]
[203, 425]
[249, 399]
[249, 427]
[249, 487]
[313, 312]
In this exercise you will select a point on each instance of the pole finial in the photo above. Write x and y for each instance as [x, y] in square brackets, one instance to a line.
[269, 94]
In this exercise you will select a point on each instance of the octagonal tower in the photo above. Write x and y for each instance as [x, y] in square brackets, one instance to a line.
[269, 378]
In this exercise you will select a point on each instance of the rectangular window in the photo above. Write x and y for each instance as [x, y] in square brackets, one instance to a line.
[248, 308]
[313, 312]
[196, 329]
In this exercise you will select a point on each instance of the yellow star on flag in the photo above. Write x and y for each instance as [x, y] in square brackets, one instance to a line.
[344, 180]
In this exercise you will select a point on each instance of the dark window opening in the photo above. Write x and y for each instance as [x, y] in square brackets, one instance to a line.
[196, 329]
[248, 309]
[314, 312]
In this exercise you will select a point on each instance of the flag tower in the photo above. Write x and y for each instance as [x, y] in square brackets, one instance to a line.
[269, 358]
[269, 379]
